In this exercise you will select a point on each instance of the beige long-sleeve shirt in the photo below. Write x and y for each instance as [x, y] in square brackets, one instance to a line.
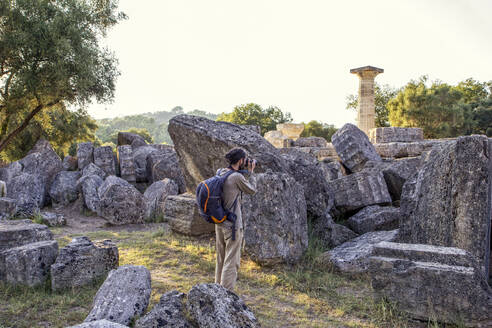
[234, 185]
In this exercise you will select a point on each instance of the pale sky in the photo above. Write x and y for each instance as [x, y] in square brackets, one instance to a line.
[295, 54]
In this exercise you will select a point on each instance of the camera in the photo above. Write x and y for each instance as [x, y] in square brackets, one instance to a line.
[249, 161]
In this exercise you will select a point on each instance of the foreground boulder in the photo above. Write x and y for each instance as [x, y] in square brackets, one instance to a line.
[375, 218]
[156, 194]
[447, 203]
[63, 190]
[358, 190]
[82, 262]
[353, 147]
[275, 220]
[213, 306]
[103, 158]
[8, 208]
[183, 217]
[124, 295]
[28, 264]
[21, 232]
[443, 284]
[213, 140]
[120, 202]
[85, 154]
[169, 312]
[352, 257]
[28, 190]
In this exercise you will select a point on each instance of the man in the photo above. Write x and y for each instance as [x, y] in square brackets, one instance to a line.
[229, 250]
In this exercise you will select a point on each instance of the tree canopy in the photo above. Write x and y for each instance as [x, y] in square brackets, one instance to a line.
[318, 129]
[253, 114]
[50, 61]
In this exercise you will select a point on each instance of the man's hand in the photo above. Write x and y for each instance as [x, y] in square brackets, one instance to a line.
[251, 166]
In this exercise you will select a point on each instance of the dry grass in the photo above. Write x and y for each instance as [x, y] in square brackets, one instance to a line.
[283, 296]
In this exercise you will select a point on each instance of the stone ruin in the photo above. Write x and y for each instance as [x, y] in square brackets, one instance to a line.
[285, 134]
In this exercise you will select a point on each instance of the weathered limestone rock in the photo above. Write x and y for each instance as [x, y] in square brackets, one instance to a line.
[214, 140]
[330, 233]
[277, 139]
[53, 219]
[93, 169]
[432, 283]
[140, 162]
[127, 167]
[291, 130]
[359, 190]
[70, 163]
[447, 203]
[375, 218]
[354, 148]
[182, 215]
[120, 202]
[306, 170]
[99, 324]
[28, 190]
[133, 139]
[311, 142]
[396, 173]
[163, 165]
[275, 220]
[169, 312]
[28, 264]
[8, 208]
[254, 128]
[332, 170]
[353, 256]
[394, 134]
[21, 232]
[63, 190]
[82, 262]
[88, 186]
[320, 153]
[213, 306]
[156, 194]
[85, 154]
[124, 295]
[103, 158]
[408, 149]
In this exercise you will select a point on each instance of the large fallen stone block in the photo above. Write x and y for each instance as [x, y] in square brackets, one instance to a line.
[444, 284]
[169, 312]
[332, 170]
[308, 172]
[88, 186]
[375, 218]
[21, 232]
[353, 147]
[408, 149]
[99, 324]
[156, 194]
[85, 154]
[28, 190]
[165, 164]
[28, 264]
[396, 172]
[201, 145]
[82, 262]
[124, 295]
[330, 233]
[214, 306]
[63, 190]
[182, 215]
[358, 190]
[8, 208]
[132, 139]
[120, 202]
[103, 158]
[395, 134]
[310, 142]
[352, 257]
[447, 203]
[126, 164]
[275, 220]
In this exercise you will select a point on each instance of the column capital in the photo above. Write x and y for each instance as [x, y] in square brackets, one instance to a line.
[367, 71]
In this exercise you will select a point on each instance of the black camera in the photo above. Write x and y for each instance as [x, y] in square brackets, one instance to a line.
[249, 161]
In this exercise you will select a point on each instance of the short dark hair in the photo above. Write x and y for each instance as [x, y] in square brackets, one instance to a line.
[234, 155]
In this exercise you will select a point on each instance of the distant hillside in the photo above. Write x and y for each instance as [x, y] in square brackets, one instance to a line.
[155, 123]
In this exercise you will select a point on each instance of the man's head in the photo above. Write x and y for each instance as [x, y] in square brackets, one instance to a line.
[236, 156]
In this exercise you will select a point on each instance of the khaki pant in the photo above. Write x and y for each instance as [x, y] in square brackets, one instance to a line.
[228, 255]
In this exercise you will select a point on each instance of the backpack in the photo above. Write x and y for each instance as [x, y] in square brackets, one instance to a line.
[210, 203]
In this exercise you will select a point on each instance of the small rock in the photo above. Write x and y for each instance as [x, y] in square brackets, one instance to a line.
[53, 219]
[124, 295]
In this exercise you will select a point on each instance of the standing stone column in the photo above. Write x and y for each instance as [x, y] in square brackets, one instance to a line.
[366, 112]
